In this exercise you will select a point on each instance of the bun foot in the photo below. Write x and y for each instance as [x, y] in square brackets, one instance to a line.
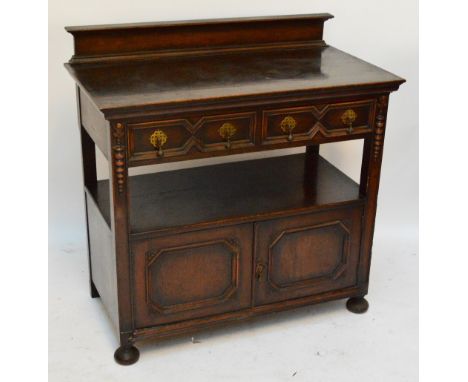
[357, 305]
[126, 355]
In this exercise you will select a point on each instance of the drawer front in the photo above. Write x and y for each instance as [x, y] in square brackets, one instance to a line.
[191, 275]
[191, 135]
[305, 255]
[317, 123]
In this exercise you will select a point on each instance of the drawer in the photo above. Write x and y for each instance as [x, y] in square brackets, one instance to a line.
[191, 135]
[192, 274]
[305, 255]
[317, 123]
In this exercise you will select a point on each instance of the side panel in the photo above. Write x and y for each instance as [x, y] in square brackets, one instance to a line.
[94, 123]
[102, 259]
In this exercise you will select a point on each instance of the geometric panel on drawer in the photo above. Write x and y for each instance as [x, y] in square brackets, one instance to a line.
[178, 131]
[304, 117]
[315, 121]
[191, 276]
[308, 255]
[191, 135]
[331, 116]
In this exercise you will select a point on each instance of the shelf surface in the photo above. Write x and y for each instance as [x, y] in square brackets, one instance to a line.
[241, 190]
[184, 79]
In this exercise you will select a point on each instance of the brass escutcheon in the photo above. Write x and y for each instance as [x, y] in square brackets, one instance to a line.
[287, 125]
[259, 270]
[348, 117]
[227, 131]
[158, 139]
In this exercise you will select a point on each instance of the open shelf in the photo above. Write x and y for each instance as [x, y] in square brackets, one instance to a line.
[237, 191]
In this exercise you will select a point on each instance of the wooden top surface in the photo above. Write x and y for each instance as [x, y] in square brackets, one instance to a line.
[127, 67]
[163, 80]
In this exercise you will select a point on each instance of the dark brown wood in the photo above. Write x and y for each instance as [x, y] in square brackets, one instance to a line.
[306, 255]
[119, 226]
[357, 305]
[192, 326]
[93, 122]
[92, 287]
[134, 85]
[193, 274]
[317, 120]
[366, 151]
[231, 193]
[175, 252]
[197, 135]
[89, 178]
[124, 40]
[102, 260]
[130, 86]
[193, 134]
[374, 160]
[126, 355]
[88, 149]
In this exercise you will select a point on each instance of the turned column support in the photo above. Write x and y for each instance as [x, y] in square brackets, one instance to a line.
[369, 187]
[126, 354]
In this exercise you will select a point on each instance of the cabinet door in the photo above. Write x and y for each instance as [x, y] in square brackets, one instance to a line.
[190, 275]
[304, 255]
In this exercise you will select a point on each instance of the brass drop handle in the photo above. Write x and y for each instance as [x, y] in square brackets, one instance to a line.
[348, 117]
[259, 270]
[158, 139]
[287, 125]
[227, 131]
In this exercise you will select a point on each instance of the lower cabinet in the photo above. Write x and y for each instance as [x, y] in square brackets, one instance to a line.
[202, 273]
[190, 275]
[308, 254]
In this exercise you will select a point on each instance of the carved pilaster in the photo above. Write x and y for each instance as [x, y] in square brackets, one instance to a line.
[118, 150]
[119, 226]
[380, 126]
[370, 181]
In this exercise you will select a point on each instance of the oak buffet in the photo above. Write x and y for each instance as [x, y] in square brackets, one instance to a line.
[174, 252]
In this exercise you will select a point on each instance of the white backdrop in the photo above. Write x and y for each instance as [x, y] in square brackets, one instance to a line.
[383, 33]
